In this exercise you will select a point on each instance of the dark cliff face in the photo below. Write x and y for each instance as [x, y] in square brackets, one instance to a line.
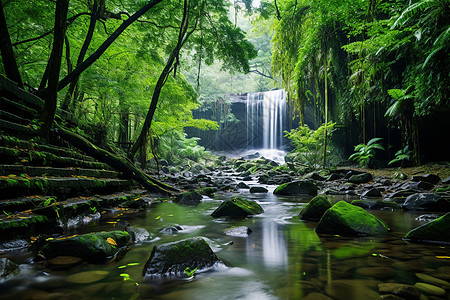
[245, 132]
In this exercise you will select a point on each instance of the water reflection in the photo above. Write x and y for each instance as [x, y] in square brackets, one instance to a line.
[274, 245]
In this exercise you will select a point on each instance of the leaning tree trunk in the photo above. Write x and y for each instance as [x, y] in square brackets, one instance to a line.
[326, 111]
[9, 61]
[182, 37]
[115, 161]
[54, 67]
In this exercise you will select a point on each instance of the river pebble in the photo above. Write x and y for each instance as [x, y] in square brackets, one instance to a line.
[432, 280]
[402, 290]
[430, 289]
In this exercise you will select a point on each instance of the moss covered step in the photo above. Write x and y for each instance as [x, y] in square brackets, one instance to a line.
[17, 129]
[10, 117]
[32, 171]
[25, 225]
[9, 88]
[18, 109]
[71, 207]
[12, 187]
[13, 142]
[43, 158]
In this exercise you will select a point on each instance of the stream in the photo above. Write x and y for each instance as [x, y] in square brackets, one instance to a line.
[282, 258]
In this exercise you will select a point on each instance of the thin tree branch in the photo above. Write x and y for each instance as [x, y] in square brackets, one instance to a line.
[261, 74]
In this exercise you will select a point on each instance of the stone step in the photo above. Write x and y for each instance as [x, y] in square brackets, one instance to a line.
[32, 171]
[63, 187]
[43, 158]
[30, 216]
[18, 130]
[10, 117]
[18, 109]
[13, 142]
[10, 89]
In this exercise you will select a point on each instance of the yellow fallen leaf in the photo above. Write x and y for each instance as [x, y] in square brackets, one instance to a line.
[111, 241]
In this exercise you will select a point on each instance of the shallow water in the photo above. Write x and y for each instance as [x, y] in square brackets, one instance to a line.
[283, 257]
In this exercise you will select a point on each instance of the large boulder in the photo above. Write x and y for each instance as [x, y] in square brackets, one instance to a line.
[258, 189]
[426, 201]
[376, 204]
[360, 178]
[237, 208]
[436, 231]
[94, 247]
[315, 209]
[349, 220]
[170, 260]
[188, 198]
[300, 187]
[430, 178]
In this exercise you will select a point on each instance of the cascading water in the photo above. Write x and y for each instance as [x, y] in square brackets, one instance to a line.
[266, 120]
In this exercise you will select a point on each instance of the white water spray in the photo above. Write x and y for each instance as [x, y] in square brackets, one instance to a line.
[266, 119]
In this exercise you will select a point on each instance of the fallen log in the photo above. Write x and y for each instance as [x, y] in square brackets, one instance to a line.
[115, 161]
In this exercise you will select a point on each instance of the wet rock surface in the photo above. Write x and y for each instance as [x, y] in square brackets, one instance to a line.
[346, 219]
[8, 268]
[91, 247]
[436, 231]
[315, 208]
[301, 187]
[237, 208]
[170, 260]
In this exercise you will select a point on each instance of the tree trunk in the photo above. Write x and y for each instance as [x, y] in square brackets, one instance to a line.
[97, 9]
[9, 61]
[326, 111]
[124, 121]
[49, 109]
[94, 56]
[118, 163]
[160, 83]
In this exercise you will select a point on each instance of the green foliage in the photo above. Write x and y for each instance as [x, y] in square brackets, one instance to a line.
[365, 153]
[309, 143]
[401, 155]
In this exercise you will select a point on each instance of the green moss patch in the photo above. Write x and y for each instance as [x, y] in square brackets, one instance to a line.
[237, 207]
[436, 231]
[346, 219]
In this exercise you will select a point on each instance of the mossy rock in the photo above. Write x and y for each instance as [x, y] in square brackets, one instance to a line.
[92, 247]
[436, 231]
[300, 187]
[237, 208]
[246, 166]
[169, 260]
[207, 191]
[349, 220]
[188, 198]
[315, 209]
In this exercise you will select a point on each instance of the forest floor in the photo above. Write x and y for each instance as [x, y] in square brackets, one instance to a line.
[442, 169]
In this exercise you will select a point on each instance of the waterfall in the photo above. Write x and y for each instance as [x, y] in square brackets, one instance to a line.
[266, 119]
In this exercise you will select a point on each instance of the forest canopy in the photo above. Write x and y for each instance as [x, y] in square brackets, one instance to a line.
[131, 71]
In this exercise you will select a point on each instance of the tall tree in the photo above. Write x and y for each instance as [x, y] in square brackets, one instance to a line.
[9, 60]
[54, 67]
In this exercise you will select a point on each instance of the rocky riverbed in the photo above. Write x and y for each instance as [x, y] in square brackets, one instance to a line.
[270, 255]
